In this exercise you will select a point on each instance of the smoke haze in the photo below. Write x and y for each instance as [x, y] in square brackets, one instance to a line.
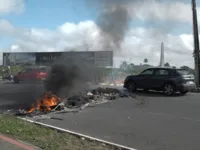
[70, 76]
[116, 16]
[113, 23]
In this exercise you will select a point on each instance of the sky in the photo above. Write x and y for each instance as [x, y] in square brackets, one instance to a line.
[134, 29]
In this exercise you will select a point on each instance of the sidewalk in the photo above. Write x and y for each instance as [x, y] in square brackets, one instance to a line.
[7, 143]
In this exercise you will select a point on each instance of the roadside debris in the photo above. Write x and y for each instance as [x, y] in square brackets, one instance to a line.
[50, 103]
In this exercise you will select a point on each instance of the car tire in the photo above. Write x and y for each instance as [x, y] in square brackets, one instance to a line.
[169, 89]
[184, 92]
[131, 86]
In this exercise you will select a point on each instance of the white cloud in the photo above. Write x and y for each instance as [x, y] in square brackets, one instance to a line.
[162, 10]
[139, 43]
[6, 27]
[11, 6]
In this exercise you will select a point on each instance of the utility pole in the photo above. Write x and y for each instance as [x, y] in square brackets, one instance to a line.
[196, 44]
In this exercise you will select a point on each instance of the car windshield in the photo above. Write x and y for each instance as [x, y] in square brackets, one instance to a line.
[183, 72]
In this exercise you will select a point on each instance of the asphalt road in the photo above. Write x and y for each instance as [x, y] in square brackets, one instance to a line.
[14, 96]
[162, 123]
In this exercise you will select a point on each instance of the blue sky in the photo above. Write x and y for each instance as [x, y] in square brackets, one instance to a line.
[52, 13]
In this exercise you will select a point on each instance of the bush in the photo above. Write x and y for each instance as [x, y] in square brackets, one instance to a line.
[14, 69]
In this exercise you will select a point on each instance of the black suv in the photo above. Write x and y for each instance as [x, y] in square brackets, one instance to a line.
[169, 80]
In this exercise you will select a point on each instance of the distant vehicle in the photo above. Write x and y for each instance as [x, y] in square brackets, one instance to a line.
[31, 74]
[168, 80]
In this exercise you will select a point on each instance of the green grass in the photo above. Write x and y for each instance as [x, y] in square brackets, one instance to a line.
[46, 138]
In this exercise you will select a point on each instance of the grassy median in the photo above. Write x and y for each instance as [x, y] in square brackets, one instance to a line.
[45, 138]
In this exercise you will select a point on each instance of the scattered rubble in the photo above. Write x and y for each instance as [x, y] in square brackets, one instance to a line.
[51, 104]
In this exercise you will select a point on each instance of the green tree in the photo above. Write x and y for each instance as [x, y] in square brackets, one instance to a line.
[145, 60]
[185, 68]
[167, 64]
[124, 66]
[131, 67]
[190, 70]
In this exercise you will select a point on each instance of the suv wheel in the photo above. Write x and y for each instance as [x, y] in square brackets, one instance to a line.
[131, 87]
[169, 89]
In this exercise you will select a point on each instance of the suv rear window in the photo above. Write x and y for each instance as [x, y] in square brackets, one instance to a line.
[162, 72]
[182, 71]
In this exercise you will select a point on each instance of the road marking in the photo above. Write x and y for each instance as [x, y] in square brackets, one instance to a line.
[166, 115]
[79, 134]
[16, 143]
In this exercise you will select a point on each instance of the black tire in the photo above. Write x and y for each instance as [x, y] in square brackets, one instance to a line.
[131, 86]
[169, 89]
[146, 90]
[183, 92]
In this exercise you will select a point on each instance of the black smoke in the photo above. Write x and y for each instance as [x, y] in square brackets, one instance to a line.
[70, 77]
[113, 20]
[113, 24]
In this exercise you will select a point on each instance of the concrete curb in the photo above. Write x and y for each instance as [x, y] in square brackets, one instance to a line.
[122, 147]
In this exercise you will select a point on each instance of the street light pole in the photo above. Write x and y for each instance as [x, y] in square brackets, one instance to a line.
[196, 43]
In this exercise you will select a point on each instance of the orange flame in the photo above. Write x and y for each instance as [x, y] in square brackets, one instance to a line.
[48, 101]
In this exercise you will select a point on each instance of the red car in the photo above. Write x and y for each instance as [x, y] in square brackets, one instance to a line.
[31, 74]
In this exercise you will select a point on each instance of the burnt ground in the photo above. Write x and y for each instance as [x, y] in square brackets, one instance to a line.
[162, 123]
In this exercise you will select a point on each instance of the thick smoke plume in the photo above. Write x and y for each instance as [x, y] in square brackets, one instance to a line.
[115, 16]
[66, 78]
[70, 77]
[113, 21]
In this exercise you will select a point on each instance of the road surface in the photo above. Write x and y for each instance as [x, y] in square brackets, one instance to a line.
[162, 123]
[14, 96]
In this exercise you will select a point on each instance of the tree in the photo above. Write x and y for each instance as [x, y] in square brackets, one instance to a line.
[145, 60]
[124, 66]
[167, 64]
[190, 70]
[185, 68]
[130, 67]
